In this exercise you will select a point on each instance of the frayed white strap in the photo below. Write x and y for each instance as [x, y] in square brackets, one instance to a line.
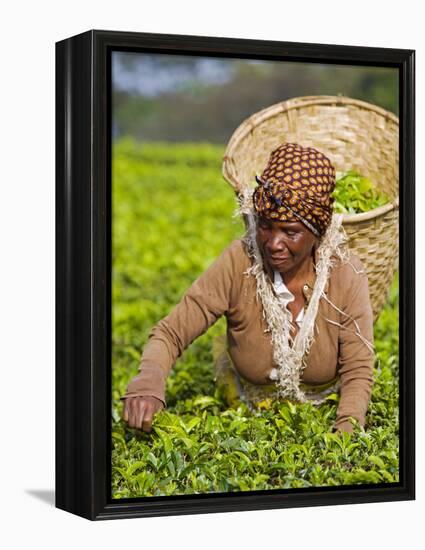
[357, 332]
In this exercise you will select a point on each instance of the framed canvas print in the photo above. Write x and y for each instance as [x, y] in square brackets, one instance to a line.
[235, 274]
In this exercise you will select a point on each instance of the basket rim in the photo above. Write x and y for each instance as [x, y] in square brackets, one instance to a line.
[254, 120]
[370, 214]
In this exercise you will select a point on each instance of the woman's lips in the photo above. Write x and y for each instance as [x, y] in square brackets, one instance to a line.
[277, 259]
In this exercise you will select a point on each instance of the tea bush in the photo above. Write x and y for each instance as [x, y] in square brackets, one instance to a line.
[172, 216]
[355, 194]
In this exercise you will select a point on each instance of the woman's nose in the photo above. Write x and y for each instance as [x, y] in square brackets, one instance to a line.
[276, 243]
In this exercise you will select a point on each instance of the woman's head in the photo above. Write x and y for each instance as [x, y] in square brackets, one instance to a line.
[286, 245]
[296, 186]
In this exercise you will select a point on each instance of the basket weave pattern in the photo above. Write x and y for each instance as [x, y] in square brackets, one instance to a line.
[354, 135]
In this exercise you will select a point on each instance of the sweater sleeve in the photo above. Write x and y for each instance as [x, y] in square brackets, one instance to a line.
[206, 300]
[356, 353]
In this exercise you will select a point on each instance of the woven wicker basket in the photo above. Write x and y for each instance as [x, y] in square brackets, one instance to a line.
[354, 135]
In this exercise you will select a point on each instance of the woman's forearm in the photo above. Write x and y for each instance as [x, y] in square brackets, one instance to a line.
[356, 389]
[206, 300]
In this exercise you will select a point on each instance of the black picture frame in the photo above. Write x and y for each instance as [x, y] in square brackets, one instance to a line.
[83, 273]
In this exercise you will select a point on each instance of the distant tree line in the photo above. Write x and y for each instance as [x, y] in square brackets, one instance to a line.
[204, 111]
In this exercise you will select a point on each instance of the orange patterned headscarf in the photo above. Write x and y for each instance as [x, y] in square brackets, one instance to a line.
[296, 185]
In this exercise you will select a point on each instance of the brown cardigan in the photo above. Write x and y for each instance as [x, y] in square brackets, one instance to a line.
[224, 289]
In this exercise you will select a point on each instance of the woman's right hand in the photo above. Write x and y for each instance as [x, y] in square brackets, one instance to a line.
[139, 411]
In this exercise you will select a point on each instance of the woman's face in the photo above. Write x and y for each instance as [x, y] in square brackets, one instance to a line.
[286, 245]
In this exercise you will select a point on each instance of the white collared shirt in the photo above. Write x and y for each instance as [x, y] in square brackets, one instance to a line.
[285, 296]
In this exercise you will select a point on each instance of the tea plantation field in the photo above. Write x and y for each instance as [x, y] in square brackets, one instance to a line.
[172, 216]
